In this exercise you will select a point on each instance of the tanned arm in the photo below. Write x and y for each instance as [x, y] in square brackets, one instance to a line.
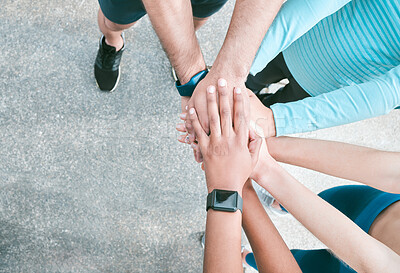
[270, 251]
[348, 241]
[379, 169]
[250, 21]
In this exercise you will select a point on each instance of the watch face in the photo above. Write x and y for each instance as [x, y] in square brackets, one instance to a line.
[226, 200]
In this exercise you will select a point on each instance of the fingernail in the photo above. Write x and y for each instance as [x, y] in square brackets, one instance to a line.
[222, 82]
[186, 107]
[183, 115]
[211, 89]
[194, 146]
[238, 90]
[191, 111]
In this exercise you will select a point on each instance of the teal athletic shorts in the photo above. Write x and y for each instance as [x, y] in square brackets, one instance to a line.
[124, 12]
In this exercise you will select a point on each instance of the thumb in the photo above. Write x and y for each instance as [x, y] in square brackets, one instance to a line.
[254, 147]
[255, 143]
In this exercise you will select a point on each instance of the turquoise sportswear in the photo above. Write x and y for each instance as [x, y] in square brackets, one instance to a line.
[361, 204]
[345, 54]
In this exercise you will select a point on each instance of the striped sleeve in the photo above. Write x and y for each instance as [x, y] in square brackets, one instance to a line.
[345, 105]
[295, 18]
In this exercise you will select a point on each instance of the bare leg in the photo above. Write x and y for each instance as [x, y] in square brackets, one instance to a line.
[199, 22]
[112, 31]
[173, 23]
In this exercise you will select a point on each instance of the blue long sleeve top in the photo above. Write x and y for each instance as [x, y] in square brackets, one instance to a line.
[345, 54]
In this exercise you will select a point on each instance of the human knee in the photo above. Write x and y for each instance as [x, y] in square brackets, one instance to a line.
[116, 27]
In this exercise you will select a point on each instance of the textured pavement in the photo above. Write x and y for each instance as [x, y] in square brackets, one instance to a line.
[97, 182]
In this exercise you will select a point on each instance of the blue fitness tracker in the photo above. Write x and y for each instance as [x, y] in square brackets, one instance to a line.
[223, 200]
[187, 89]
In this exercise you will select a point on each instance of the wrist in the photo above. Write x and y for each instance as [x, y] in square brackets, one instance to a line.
[269, 176]
[264, 170]
[230, 70]
[227, 186]
[185, 73]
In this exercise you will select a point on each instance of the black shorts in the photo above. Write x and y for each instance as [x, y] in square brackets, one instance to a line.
[124, 12]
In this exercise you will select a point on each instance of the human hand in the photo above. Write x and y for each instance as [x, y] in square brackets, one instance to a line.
[262, 116]
[181, 127]
[184, 103]
[264, 163]
[189, 135]
[228, 156]
[199, 101]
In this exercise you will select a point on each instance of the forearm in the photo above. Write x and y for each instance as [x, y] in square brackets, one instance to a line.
[375, 168]
[250, 21]
[223, 242]
[349, 104]
[173, 22]
[362, 252]
[270, 251]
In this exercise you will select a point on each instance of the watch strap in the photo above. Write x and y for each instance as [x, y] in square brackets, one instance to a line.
[188, 88]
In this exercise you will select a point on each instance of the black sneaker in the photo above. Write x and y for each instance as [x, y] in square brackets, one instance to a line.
[106, 67]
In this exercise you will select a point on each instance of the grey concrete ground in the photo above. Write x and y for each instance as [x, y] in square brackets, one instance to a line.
[96, 182]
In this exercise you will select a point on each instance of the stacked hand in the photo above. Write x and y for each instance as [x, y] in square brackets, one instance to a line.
[230, 150]
[260, 115]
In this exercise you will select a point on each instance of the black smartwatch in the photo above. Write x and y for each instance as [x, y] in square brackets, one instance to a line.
[223, 200]
[187, 89]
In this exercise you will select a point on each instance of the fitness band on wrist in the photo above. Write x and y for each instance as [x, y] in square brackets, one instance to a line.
[187, 89]
[223, 200]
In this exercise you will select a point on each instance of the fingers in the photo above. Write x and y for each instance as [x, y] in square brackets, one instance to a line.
[181, 127]
[246, 105]
[253, 134]
[188, 124]
[254, 146]
[198, 130]
[224, 107]
[191, 132]
[184, 138]
[239, 118]
[197, 153]
[182, 116]
[213, 114]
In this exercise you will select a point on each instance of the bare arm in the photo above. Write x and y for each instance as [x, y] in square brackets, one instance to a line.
[228, 161]
[349, 242]
[379, 169]
[270, 251]
[250, 21]
[222, 245]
